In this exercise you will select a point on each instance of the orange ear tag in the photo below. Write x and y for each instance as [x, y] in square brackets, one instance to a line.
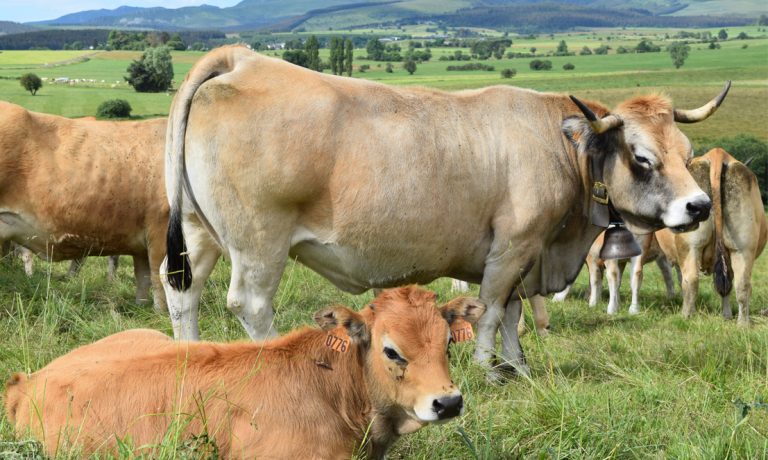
[337, 340]
[461, 331]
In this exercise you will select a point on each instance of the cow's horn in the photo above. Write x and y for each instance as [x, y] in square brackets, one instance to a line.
[694, 115]
[600, 125]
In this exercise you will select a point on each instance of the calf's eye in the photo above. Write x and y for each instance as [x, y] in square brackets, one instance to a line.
[393, 355]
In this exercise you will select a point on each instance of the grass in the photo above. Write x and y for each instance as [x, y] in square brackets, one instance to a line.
[646, 386]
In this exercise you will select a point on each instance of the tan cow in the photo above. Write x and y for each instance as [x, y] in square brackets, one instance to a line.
[72, 188]
[10, 249]
[313, 394]
[727, 244]
[614, 269]
[375, 186]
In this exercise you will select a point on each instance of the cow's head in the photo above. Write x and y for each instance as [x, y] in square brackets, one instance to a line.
[644, 157]
[406, 337]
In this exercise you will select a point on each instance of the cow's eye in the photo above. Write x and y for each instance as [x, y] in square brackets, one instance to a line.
[643, 161]
[393, 355]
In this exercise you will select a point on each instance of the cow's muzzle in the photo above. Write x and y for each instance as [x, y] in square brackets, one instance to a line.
[448, 406]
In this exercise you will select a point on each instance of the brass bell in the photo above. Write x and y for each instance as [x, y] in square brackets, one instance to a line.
[619, 243]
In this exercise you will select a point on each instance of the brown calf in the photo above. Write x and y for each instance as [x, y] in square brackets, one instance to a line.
[372, 375]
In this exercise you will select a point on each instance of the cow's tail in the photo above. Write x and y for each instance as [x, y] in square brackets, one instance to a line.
[215, 63]
[14, 392]
[717, 170]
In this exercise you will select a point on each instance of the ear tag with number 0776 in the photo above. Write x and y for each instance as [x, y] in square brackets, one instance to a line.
[337, 340]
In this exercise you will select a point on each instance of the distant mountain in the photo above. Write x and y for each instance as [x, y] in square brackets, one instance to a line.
[323, 15]
[9, 27]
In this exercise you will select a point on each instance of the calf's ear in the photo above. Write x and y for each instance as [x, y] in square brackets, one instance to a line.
[339, 316]
[469, 309]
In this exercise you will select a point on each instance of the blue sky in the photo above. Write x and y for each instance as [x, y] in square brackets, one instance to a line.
[40, 10]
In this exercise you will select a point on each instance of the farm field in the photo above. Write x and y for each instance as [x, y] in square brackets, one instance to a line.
[650, 386]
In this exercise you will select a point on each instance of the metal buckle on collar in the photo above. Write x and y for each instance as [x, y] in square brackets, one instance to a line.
[600, 192]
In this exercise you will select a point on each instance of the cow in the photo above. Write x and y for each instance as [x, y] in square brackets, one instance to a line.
[314, 393]
[10, 249]
[76, 187]
[614, 268]
[727, 244]
[375, 186]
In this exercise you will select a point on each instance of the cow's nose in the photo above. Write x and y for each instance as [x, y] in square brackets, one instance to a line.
[448, 407]
[699, 209]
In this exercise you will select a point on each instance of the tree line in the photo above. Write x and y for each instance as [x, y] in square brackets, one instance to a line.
[99, 38]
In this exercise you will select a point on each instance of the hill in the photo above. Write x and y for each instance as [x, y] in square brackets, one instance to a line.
[10, 27]
[346, 14]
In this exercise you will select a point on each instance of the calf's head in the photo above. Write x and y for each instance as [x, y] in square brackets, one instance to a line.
[406, 336]
[643, 157]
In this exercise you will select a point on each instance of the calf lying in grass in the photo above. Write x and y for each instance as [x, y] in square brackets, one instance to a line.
[363, 379]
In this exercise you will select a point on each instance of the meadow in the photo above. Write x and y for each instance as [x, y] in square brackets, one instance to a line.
[649, 386]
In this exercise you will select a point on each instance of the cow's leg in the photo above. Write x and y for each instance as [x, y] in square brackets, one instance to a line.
[636, 272]
[666, 272]
[156, 253]
[613, 271]
[595, 283]
[75, 266]
[28, 258]
[7, 248]
[183, 305]
[540, 318]
[112, 264]
[690, 284]
[560, 296]
[142, 275]
[512, 357]
[741, 264]
[255, 279]
[459, 285]
[257, 266]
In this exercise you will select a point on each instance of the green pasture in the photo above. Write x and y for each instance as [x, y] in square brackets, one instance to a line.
[646, 386]
[651, 386]
[607, 78]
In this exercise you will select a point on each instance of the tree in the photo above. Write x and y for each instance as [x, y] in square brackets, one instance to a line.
[742, 36]
[679, 53]
[508, 73]
[562, 49]
[568, 66]
[585, 51]
[334, 59]
[312, 48]
[538, 64]
[31, 82]
[348, 55]
[533, 50]
[722, 34]
[176, 43]
[388, 69]
[375, 49]
[153, 72]
[298, 57]
[410, 66]
[114, 108]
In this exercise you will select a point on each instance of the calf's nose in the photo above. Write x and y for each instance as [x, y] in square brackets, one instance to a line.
[448, 406]
[699, 209]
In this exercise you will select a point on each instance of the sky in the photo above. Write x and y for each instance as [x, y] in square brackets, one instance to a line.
[40, 10]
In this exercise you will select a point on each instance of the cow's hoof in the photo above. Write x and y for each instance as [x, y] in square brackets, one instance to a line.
[543, 332]
[634, 310]
[743, 323]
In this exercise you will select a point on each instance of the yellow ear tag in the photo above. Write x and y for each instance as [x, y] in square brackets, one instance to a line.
[338, 340]
[461, 331]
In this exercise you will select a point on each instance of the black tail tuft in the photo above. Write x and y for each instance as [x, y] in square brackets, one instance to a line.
[722, 276]
[179, 270]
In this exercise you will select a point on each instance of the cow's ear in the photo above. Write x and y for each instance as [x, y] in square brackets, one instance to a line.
[339, 316]
[577, 130]
[469, 309]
